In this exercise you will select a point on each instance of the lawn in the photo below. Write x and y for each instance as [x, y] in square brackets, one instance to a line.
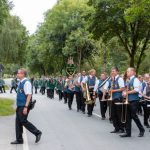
[6, 107]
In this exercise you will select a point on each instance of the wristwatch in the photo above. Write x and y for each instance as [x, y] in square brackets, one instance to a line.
[25, 106]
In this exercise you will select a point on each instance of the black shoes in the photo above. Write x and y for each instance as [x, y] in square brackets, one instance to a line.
[147, 126]
[103, 118]
[38, 137]
[125, 135]
[114, 131]
[141, 134]
[17, 142]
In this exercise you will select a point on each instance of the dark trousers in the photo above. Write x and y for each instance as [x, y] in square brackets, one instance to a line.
[21, 120]
[116, 114]
[146, 113]
[132, 114]
[36, 90]
[70, 99]
[90, 107]
[60, 93]
[103, 105]
[43, 90]
[83, 102]
[139, 110]
[3, 87]
[79, 100]
[48, 93]
[65, 97]
[13, 88]
[51, 93]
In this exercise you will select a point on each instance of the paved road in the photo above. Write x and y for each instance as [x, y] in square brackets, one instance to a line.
[68, 130]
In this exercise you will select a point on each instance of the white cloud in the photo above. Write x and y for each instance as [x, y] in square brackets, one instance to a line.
[31, 11]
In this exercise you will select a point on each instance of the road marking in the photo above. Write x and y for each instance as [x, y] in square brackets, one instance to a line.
[25, 145]
[97, 115]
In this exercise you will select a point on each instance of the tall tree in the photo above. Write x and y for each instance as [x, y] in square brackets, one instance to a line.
[128, 20]
[4, 7]
[13, 41]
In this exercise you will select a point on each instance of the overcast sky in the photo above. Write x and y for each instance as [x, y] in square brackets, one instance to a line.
[31, 11]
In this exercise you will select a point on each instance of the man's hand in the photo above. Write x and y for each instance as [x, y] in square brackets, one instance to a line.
[125, 93]
[25, 111]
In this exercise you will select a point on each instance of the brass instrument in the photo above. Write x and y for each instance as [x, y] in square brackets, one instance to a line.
[87, 96]
[112, 87]
[110, 99]
[124, 110]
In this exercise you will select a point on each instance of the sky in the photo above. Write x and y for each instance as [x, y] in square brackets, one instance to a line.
[31, 11]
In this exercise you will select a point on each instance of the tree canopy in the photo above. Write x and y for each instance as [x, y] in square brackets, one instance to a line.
[96, 33]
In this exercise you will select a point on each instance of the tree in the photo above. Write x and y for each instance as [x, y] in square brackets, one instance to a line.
[128, 20]
[80, 45]
[66, 18]
[4, 7]
[13, 41]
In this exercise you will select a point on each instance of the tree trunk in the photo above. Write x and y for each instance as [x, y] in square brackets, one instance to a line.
[132, 60]
[142, 51]
[79, 60]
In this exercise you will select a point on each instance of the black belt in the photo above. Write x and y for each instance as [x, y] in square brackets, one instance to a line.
[134, 101]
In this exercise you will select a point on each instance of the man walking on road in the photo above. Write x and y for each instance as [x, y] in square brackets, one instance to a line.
[24, 94]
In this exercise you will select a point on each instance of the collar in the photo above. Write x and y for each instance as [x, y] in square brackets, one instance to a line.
[132, 77]
[116, 76]
[91, 76]
[23, 80]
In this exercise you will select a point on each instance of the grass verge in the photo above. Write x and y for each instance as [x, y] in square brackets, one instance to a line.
[6, 107]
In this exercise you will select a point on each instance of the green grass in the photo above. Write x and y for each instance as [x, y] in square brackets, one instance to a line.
[6, 107]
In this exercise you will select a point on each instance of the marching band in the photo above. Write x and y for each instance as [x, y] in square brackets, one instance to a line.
[123, 96]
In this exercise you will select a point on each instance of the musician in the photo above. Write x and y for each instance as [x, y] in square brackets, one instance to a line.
[144, 103]
[116, 87]
[133, 98]
[146, 96]
[91, 81]
[82, 99]
[43, 86]
[101, 94]
[142, 86]
[70, 91]
[36, 85]
[59, 88]
[65, 89]
[51, 88]
[78, 92]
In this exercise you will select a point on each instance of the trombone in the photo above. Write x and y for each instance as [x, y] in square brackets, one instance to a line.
[87, 96]
[124, 110]
[110, 99]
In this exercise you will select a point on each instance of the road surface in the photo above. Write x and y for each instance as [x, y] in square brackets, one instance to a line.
[68, 130]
